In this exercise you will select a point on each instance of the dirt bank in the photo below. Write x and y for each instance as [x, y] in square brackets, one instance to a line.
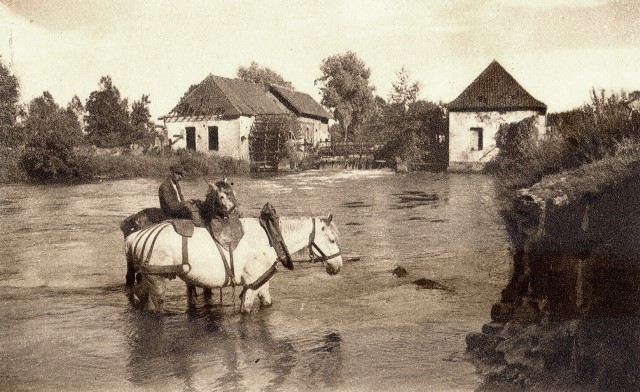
[569, 315]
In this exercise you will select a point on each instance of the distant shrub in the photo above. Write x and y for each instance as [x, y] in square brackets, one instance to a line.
[51, 161]
[10, 170]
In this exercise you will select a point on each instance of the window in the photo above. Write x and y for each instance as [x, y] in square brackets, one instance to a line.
[476, 139]
[213, 138]
[191, 138]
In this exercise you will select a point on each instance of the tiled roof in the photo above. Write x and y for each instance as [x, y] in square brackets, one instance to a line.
[495, 89]
[300, 103]
[218, 96]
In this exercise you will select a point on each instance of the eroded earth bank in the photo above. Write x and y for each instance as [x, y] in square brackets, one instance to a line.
[569, 317]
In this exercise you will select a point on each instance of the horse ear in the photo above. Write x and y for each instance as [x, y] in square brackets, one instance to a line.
[224, 179]
[329, 218]
[213, 187]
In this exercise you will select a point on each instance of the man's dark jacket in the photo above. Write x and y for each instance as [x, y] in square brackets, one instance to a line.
[170, 200]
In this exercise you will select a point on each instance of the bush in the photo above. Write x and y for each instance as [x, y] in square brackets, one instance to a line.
[578, 137]
[11, 171]
[51, 160]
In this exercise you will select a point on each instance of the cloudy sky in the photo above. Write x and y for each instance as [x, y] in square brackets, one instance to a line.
[558, 50]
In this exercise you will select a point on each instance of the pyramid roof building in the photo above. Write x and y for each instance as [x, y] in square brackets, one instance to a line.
[495, 90]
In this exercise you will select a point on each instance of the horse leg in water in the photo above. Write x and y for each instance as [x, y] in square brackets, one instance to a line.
[206, 294]
[264, 295]
[137, 290]
[157, 286]
[246, 302]
[191, 295]
[130, 282]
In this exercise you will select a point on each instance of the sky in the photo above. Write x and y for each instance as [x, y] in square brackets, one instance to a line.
[557, 50]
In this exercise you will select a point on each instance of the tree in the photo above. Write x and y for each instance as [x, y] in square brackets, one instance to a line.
[75, 108]
[10, 135]
[142, 127]
[403, 91]
[53, 134]
[262, 75]
[108, 122]
[411, 129]
[346, 90]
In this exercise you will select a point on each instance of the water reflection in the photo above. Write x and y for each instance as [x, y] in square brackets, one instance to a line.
[229, 352]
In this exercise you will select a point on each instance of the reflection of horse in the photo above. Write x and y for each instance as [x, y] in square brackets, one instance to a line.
[158, 252]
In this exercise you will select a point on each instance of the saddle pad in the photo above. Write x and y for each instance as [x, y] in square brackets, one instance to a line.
[184, 227]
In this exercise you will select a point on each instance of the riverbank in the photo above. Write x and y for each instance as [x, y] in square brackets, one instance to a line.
[95, 164]
[568, 317]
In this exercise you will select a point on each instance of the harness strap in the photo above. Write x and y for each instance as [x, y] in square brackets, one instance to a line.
[313, 245]
[143, 234]
[157, 234]
[186, 267]
[264, 278]
[229, 278]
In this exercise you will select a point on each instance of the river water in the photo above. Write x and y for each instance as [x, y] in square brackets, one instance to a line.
[65, 323]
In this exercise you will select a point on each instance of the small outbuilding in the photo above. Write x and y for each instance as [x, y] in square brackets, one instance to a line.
[492, 99]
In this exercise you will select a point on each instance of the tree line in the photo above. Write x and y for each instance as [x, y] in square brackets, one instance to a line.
[401, 125]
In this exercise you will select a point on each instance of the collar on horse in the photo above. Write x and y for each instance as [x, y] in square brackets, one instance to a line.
[312, 245]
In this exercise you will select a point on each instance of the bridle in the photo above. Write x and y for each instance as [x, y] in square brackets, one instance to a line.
[312, 245]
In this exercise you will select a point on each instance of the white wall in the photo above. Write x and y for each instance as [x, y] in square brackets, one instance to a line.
[230, 132]
[460, 135]
[317, 131]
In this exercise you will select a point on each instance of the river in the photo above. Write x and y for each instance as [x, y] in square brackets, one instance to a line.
[65, 323]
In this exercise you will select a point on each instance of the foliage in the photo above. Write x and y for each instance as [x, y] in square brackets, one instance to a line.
[10, 135]
[403, 90]
[196, 164]
[346, 89]
[108, 122]
[417, 135]
[262, 75]
[53, 133]
[142, 126]
[577, 137]
[11, 170]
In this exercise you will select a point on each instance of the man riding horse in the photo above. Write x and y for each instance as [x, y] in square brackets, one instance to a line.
[219, 214]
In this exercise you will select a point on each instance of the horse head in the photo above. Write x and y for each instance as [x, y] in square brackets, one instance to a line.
[220, 200]
[324, 244]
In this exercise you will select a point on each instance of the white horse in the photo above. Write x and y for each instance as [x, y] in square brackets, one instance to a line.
[159, 252]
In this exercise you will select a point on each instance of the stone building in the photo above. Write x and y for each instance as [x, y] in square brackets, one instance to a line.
[492, 99]
[218, 115]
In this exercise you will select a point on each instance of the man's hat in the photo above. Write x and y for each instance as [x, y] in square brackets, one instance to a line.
[178, 169]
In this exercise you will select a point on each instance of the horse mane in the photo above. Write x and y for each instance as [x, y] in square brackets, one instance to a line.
[292, 224]
[296, 223]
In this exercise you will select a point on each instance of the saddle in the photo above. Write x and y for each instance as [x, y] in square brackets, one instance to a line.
[227, 230]
[184, 227]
